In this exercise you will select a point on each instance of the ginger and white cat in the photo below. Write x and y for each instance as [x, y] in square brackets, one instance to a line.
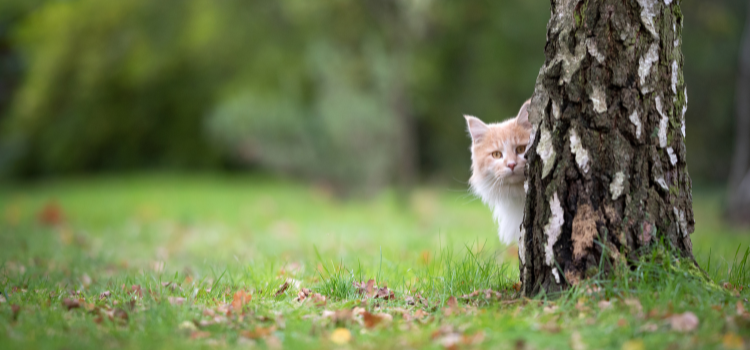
[498, 162]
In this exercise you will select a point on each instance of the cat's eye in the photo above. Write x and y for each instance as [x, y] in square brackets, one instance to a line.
[497, 154]
[520, 149]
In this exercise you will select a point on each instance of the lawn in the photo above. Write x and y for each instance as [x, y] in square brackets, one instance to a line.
[216, 261]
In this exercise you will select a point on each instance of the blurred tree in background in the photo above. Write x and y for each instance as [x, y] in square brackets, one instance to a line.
[357, 94]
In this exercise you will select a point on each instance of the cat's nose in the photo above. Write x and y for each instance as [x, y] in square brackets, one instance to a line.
[511, 166]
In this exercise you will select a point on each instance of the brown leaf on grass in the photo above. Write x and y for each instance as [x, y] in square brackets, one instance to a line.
[684, 322]
[120, 314]
[365, 288]
[240, 299]
[318, 299]
[51, 214]
[282, 288]
[635, 307]
[419, 314]
[199, 335]
[385, 293]
[452, 307]
[136, 289]
[372, 320]
[15, 309]
[258, 332]
[105, 294]
[176, 300]
[470, 295]
[473, 339]
[71, 303]
[405, 314]
[517, 287]
[741, 309]
[303, 294]
[732, 341]
[452, 302]
[605, 304]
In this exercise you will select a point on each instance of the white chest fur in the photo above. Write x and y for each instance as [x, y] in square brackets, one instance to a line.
[507, 204]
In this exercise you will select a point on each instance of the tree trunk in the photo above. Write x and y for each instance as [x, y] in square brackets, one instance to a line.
[607, 174]
[739, 178]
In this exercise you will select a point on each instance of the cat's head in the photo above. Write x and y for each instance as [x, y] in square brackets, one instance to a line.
[498, 151]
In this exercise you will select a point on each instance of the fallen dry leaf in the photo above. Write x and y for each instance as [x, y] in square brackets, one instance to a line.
[199, 335]
[365, 288]
[517, 287]
[341, 336]
[385, 293]
[318, 299]
[684, 322]
[15, 309]
[71, 303]
[635, 344]
[649, 327]
[303, 294]
[136, 289]
[176, 300]
[240, 299]
[741, 308]
[2, 299]
[258, 332]
[732, 341]
[372, 320]
[604, 305]
[452, 302]
[51, 214]
[282, 289]
[105, 294]
[635, 307]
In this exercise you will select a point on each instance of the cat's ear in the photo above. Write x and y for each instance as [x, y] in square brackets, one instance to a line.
[523, 115]
[477, 128]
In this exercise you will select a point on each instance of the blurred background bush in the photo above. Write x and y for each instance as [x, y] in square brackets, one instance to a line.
[354, 94]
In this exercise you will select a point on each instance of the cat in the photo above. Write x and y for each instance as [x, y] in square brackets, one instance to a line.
[498, 163]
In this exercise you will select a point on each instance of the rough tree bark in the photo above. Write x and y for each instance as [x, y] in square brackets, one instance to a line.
[739, 178]
[607, 164]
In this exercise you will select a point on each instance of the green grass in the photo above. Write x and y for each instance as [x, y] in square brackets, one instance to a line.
[206, 237]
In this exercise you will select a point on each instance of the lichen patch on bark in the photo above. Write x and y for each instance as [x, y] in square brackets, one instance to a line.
[553, 229]
[546, 151]
[680, 218]
[556, 274]
[616, 187]
[593, 51]
[637, 122]
[584, 230]
[675, 78]
[645, 63]
[599, 98]
[663, 123]
[672, 156]
[582, 156]
[647, 16]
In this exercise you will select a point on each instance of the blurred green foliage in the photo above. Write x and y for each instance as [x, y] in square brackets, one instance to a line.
[352, 93]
